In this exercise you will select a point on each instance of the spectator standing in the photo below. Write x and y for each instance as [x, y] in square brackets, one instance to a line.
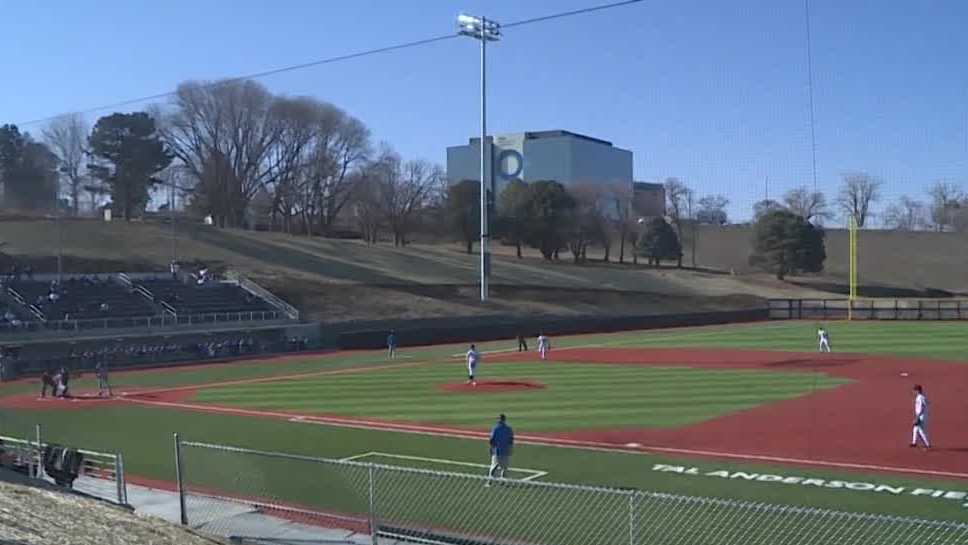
[502, 443]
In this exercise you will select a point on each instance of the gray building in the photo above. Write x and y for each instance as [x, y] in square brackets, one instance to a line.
[562, 156]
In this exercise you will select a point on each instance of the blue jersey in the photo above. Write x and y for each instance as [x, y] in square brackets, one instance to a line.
[502, 439]
[391, 340]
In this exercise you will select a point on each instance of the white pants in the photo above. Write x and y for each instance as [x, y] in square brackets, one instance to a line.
[471, 367]
[391, 352]
[824, 345]
[543, 350]
[499, 463]
[919, 431]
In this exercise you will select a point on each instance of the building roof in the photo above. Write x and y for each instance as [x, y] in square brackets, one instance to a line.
[557, 133]
[646, 186]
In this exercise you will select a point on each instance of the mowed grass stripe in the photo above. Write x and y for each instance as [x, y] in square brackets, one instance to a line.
[550, 402]
[576, 395]
[649, 392]
[345, 386]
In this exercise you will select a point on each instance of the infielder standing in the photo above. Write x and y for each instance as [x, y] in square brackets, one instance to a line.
[103, 386]
[920, 418]
[544, 345]
[823, 340]
[392, 345]
[472, 358]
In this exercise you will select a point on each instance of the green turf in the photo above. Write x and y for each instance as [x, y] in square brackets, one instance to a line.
[143, 434]
[576, 396]
[943, 340]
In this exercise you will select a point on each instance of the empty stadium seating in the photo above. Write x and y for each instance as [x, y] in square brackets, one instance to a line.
[208, 298]
[83, 299]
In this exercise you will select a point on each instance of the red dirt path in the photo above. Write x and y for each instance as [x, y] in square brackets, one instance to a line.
[866, 422]
[864, 425]
[492, 386]
[85, 400]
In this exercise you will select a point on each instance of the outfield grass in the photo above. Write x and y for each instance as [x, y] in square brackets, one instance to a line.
[145, 437]
[144, 434]
[576, 396]
[942, 340]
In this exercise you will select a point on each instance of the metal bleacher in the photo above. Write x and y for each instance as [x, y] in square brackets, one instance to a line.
[188, 297]
[83, 299]
[129, 303]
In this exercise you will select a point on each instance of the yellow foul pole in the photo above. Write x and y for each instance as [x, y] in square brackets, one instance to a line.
[852, 230]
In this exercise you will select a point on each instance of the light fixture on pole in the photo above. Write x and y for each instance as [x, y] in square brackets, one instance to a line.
[485, 31]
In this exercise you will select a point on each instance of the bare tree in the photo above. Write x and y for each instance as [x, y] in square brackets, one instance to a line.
[857, 192]
[764, 207]
[946, 199]
[403, 189]
[619, 195]
[224, 133]
[712, 210]
[809, 205]
[289, 160]
[365, 197]
[906, 214]
[678, 197]
[588, 223]
[67, 137]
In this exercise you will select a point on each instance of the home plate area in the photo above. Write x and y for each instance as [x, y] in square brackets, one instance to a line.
[438, 464]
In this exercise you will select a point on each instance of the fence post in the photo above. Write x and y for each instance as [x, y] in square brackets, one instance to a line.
[40, 454]
[373, 519]
[632, 518]
[181, 483]
[119, 478]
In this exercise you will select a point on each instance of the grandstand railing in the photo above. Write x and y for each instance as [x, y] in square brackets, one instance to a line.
[229, 492]
[143, 323]
[869, 309]
[259, 291]
[101, 474]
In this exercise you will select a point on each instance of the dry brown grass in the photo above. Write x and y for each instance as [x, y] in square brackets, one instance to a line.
[344, 280]
[32, 515]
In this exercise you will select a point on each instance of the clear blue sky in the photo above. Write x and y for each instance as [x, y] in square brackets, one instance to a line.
[712, 92]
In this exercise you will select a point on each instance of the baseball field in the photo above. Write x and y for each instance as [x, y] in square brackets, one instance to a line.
[745, 411]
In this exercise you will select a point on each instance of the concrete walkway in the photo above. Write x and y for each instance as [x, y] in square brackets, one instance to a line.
[226, 519]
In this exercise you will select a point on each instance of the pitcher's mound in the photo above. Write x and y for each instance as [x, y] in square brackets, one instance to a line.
[493, 386]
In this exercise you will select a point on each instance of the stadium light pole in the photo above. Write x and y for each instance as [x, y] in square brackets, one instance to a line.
[485, 31]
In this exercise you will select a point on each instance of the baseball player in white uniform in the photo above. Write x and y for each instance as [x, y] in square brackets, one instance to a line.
[823, 340]
[544, 345]
[920, 418]
[472, 358]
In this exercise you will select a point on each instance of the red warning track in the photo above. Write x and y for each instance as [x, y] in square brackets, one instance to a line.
[864, 425]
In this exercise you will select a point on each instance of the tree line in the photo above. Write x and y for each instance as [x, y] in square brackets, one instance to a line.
[551, 218]
[946, 209]
[237, 152]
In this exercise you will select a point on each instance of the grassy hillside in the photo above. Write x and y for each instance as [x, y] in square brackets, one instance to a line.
[342, 280]
[920, 261]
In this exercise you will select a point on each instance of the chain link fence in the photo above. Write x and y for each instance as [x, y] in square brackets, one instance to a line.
[256, 496]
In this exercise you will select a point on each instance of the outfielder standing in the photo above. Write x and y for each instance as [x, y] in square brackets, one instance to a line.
[472, 358]
[920, 418]
[823, 340]
[544, 345]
